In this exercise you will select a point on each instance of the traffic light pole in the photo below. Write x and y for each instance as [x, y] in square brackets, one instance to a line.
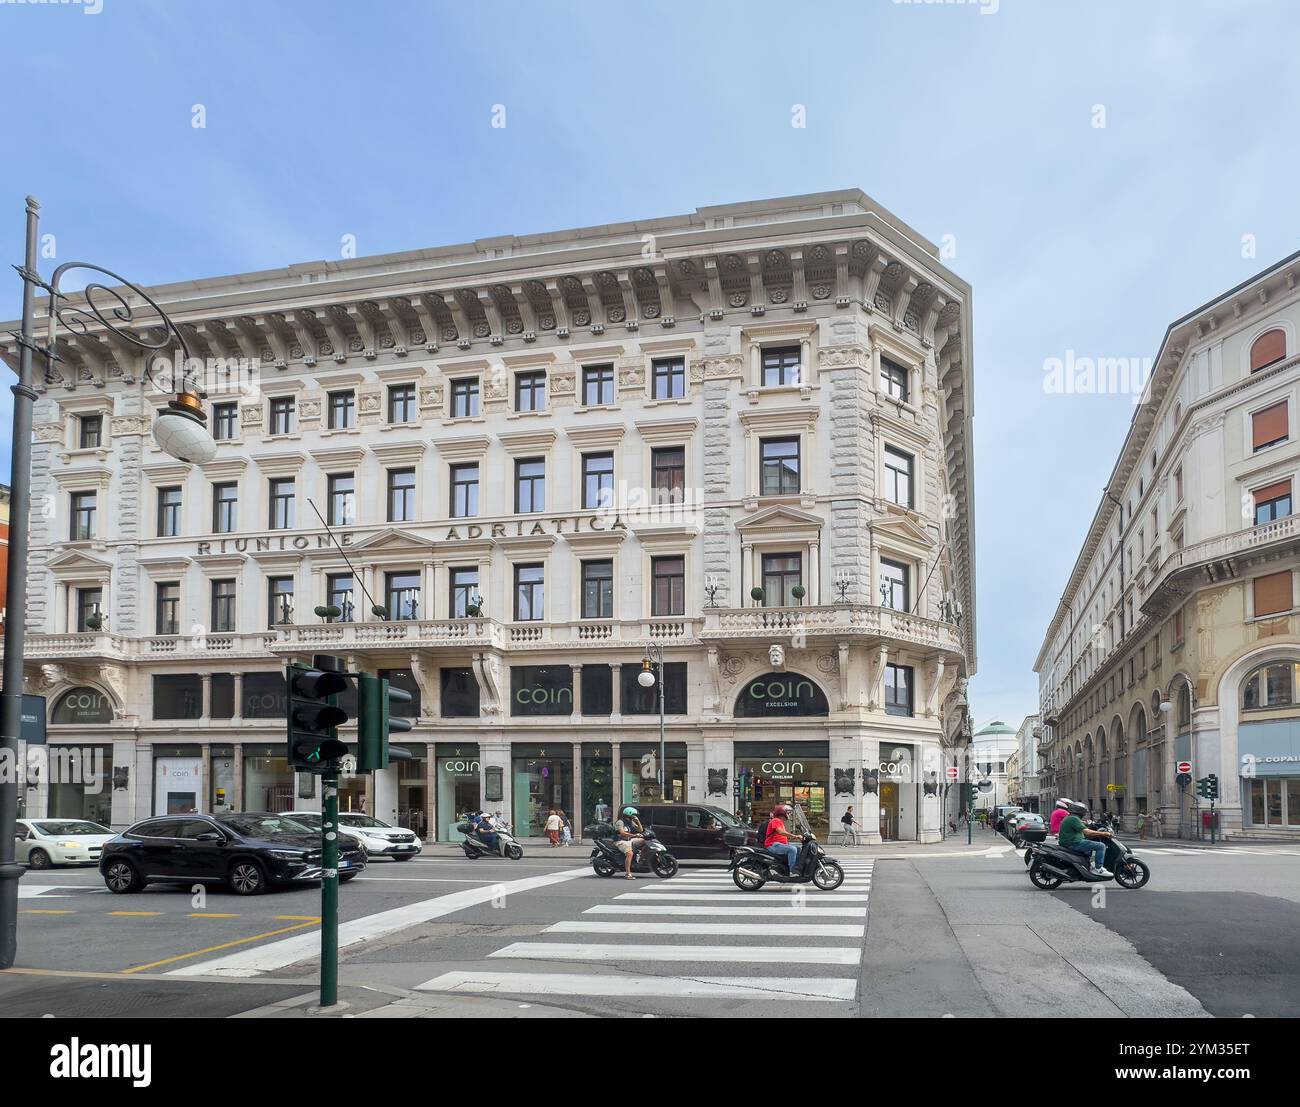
[329, 889]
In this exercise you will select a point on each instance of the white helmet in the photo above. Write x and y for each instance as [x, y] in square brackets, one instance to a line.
[1064, 804]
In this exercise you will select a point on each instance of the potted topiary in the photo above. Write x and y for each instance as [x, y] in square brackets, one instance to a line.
[757, 595]
[799, 592]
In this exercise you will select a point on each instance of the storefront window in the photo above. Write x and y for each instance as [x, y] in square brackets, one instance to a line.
[641, 773]
[81, 782]
[459, 694]
[268, 780]
[178, 780]
[223, 779]
[541, 690]
[542, 779]
[597, 780]
[412, 790]
[780, 695]
[458, 773]
[80, 706]
[796, 772]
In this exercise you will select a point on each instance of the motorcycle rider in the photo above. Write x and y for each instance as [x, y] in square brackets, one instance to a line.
[1075, 836]
[778, 839]
[631, 837]
[1059, 815]
[486, 831]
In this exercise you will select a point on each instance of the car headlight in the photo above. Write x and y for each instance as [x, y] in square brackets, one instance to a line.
[288, 854]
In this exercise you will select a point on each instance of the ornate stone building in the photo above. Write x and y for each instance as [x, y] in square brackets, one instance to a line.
[741, 436]
[1177, 640]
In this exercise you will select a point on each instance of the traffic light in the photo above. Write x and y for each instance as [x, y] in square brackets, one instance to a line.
[1214, 786]
[1208, 787]
[314, 714]
[375, 721]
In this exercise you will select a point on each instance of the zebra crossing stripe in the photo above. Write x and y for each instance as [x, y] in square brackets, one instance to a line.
[575, 951]
[730, 897]
[770, 929]
[683, 909]
[833, 989]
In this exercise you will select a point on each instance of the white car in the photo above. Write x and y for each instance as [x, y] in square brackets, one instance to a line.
[379, 839]
[43, 843]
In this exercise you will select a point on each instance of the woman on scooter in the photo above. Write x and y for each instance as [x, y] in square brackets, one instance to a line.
[778, 840]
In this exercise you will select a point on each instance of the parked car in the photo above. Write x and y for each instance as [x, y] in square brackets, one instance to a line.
[1027, 822]
[42, 843]
[695, 830]
[1001, 812]
[250, 852]
[377, 838]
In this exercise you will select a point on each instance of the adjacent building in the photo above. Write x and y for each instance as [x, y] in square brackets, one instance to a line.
[1174, 652]
[1025, 785]
[522, 470]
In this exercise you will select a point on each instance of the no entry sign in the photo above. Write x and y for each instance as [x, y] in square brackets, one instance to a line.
[952, 772]
[1184, 766]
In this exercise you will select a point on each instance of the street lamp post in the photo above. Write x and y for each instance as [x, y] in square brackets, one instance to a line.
[651, 674]
[181, 431]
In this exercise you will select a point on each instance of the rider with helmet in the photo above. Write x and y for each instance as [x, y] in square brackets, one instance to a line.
[631, 835]
[777, 839]
[1077, 837]
[1060, 814]
[485, 829]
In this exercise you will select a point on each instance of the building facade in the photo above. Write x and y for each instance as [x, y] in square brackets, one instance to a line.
[1175, 649]
[518, 468]
[1025, 786]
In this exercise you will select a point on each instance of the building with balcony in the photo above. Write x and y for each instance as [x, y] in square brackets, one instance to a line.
[1174, 652]
[1025, 785]
[518, 468]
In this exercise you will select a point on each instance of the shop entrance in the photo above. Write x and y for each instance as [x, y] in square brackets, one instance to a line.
[1273, 801]
[797, 772]
[889, 810]
[543, 779]
[412, 792]
[458, 774]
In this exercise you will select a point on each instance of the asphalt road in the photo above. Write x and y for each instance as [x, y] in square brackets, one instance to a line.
[923, 935]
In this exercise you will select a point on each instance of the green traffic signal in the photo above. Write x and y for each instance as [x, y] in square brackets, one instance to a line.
[375, 721]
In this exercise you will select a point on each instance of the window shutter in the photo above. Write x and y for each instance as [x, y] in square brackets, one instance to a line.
[1269, 425]
[1273, 593]
[1266, 349]
[1272, 491]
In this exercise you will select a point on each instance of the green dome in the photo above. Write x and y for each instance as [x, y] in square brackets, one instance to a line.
[994, 728]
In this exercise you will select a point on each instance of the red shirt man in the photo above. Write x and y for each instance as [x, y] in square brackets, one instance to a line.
[776, 832]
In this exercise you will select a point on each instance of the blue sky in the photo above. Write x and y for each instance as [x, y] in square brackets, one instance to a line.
[329, 118]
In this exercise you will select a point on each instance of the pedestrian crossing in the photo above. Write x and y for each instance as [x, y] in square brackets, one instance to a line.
[1192, 851]
[697, 917]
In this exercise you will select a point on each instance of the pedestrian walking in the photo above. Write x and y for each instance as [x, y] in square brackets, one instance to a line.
[1142, 825]
[849, 823]
[566, 829]
[553, 827]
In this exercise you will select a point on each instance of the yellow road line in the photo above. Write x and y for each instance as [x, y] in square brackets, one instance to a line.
[210, 915]
[215, 949]
[297, 918]
[134, 914]
[42, 911]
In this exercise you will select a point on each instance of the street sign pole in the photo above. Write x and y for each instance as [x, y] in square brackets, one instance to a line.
[329, 889]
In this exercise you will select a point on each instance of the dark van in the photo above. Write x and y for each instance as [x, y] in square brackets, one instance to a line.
[694, 830]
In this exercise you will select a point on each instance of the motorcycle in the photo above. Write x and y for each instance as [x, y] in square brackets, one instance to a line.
[754, 866]
[607, 858]
[475, 847]
[1050, 866]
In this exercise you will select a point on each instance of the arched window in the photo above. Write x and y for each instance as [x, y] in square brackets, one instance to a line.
[1271, 685]
[1184, 707]
[1268, 348]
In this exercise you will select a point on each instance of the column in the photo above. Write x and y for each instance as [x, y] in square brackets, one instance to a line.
[929, 824]
[236, 719]
[576, 814]
[576, 717]
[236, 801]
[1168, 784]
[615, 778]
[805, 361]
[746, 573]
[205, 800]
[382, 796]
[814, 573]
[206, 713]
[431, 793]
[870, 815]
[616, 712]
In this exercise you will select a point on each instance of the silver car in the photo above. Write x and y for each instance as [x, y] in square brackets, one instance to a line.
[44, 843]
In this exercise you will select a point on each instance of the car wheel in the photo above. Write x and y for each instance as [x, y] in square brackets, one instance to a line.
[38, 859]
[121, 877]
[246, 878]
[514, 852]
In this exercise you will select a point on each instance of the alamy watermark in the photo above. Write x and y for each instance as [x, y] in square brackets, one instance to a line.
[1102, 376]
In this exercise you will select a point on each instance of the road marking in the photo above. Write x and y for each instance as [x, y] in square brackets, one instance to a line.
[833, 989]
[134, 914]
[734, 930]
[297, 918]
[728, 896]
[572, 951]
[687, 909]
[44, 911]
[211, 915]
[213, 949]
[427, 880]
[32, 891]
[304, 947]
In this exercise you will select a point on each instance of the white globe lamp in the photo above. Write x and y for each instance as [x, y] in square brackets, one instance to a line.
[646, 677]
[181, 430]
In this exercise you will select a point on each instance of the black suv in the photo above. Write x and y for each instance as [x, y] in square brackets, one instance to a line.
[694, 830]
[248, 851]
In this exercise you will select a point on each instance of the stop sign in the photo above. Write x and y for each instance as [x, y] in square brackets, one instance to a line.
[1184, 766]
[952, 772]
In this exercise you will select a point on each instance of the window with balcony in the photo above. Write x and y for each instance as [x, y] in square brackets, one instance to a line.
[597, 589]
[898, 690]
[782, 573]
[284, 415]
[668, 378]
[401, 403]
[223, 606]
[90, 432]
[1273, 501]
[597, 385]
[530, 484]
[898, 477]
[169, 512]
[895, 591]
[464, 490]
[82, 528]
[782, 365]
[342, 409]
[90, 602]
[894, 380]
[279, 601]
[225, 421]
[530, 593]
[779, 466]
[464, 398]
[464, 590]
[401, 495]
[668, 586]
[530, 391]
[597, 481]
[342, 499]
[167, 608]
[402, 595]
[281, 506]
[339, 588]
[225, 508]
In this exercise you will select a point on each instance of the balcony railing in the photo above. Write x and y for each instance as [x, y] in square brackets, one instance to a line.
[839, 620]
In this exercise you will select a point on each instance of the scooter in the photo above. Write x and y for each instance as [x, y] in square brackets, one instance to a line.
[475, 847]
[753, 866]
[1051, 865]
[653, 857]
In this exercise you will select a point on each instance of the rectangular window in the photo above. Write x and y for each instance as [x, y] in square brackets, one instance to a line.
[1269, 427]
[597, 480]
[282, 497]
[781, 366]
[464, 590]
[597, 385]
[668, 586]
[1273, 593]
[223, 606]
[898, 477]
[464, 398]
[342, 499]
[898, 690]
[645, 701]
[404, 680]
[1272, 502]
[541, 690]
[402, 595]
[530, 593]
[464, 490]
[177, 696]
[284, 415]
[89, 602]
[597, 589]
[459, 694]
[91, 431]
[530, 391]
[225, 422]
[779, 466]
[530, 484]
[401, 495]
[401, 403]
[343, 410]
[668, 474]
[167, 613]
[83, 516]
[597, 690]
[668, 378]
[893, 379]
[279, 605]
[894, 589]
[338, 593]
[782, 573]
[265, 696]
[1178, 485]
[169, 512]
[225, 508]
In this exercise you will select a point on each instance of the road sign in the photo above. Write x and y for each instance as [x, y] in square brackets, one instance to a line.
[952, 772]
[1184, 766]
